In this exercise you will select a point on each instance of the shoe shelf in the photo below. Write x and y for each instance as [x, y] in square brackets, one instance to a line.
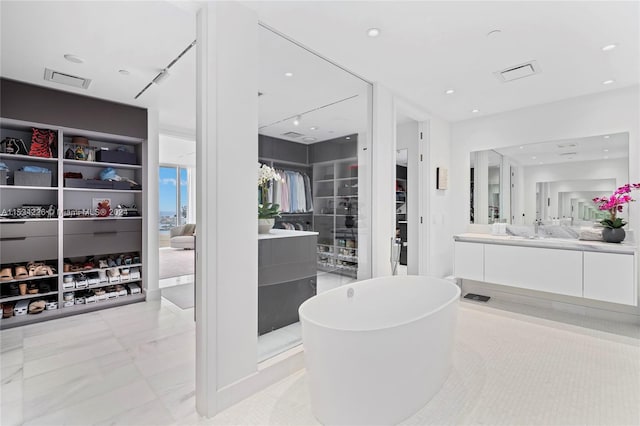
[39, 188]
[54, 239]
[103, 284]
[84, 271]
[101, 164]
[16, 321]
[20, 280]
[29, 158]
[27, 296]
[128, 191]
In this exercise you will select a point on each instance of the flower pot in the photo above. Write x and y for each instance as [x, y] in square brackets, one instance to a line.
[613, 235]
[265, 225]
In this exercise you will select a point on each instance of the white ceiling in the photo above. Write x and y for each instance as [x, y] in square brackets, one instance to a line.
[141, 37]
[424, 48]
[427, 47]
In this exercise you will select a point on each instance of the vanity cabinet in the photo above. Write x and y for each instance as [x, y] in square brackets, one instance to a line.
[584, 269]
[549, 270]
[609, 277]
[469, 261]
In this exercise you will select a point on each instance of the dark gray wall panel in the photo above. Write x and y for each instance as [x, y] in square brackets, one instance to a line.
[334, 149]
[286, 259]
[22, 101]
[280, 149]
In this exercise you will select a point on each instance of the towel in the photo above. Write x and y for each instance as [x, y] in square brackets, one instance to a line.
[590, 234]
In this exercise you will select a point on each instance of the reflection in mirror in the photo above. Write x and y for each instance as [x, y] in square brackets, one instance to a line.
[399, 253]
[314, 121]
[486, 167]
[553, 182]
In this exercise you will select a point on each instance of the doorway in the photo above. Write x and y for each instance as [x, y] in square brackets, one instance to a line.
[408, 251]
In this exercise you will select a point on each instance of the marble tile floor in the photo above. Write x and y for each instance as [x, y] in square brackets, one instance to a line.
[134, 365]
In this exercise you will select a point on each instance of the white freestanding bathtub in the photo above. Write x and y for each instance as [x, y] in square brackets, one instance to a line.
[378, 350]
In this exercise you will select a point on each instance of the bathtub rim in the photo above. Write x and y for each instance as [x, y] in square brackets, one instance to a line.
[453, 299]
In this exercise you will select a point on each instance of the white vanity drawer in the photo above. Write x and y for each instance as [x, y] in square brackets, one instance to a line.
[610, 277]
[468, 261]
[549, 270]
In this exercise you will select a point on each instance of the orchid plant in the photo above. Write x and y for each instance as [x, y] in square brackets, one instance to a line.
[614, 205]
[266, 175]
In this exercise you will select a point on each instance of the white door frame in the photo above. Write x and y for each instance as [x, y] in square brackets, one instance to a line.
[424, 179]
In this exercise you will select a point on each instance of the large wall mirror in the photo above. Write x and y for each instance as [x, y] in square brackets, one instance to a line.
[553, 182]
[314, 131]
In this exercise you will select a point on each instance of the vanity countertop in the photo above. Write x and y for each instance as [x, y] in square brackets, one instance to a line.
[555, 243]
[284, 233]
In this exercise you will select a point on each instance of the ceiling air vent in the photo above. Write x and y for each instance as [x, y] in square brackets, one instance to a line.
[518, 71]
[68, 79]
[567, 145]
[292, 134]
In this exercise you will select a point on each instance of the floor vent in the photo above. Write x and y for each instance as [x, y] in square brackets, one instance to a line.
[477, 297]
[68, 79]
[518, 71]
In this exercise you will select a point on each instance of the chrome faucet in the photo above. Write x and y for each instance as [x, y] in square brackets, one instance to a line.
[536, 226]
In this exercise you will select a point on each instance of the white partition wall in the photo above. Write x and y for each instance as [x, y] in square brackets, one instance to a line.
[226, 241]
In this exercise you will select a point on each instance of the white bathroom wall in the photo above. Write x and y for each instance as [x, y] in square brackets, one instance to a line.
[383, 219]
[226, 243]
[440, 231]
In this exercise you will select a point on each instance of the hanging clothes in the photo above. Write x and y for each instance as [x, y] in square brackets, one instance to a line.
[293, 192]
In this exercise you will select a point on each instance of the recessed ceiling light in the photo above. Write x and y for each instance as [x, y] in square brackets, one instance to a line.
[522, 147]
[607, 136]
[608, 81]
[313, 128]
[124, 72]
[609, 47]
[533, 158]
[296, 121]
[348, 137]
[475, 110]
[373, 32]
[450, 91]
[288, 74]
[309, 139]
[73, 58]
[605, 150]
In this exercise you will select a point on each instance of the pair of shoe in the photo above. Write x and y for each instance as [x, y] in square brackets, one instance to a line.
[37, 306]
[7, 275]
[11, 289]
[38, 269]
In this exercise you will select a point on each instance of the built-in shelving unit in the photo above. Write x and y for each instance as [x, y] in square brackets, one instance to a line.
[48, 236]
[335, 190]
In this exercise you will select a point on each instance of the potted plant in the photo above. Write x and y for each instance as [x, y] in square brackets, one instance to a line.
[613, 231]
[267, 212]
